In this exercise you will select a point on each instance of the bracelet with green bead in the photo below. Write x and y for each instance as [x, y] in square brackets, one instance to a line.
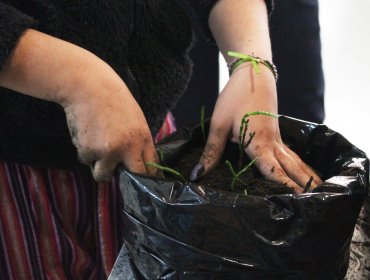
[255, 60]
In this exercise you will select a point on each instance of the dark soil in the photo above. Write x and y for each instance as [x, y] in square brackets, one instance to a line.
[220, 178]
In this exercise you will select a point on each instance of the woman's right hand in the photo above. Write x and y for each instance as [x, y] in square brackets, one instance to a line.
[106, 124]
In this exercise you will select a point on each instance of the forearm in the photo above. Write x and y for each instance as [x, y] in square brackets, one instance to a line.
[241, 26]
[48, 68]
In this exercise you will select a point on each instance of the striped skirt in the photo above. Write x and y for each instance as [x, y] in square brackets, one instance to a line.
[58, 224]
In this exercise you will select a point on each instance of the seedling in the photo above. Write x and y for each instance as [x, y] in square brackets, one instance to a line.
[236, 176]
[243, 144]
[166, 169]
[161, 155]
[243, 132]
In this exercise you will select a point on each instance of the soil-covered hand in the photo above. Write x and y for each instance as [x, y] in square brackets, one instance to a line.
[274, 159]
[107, 125]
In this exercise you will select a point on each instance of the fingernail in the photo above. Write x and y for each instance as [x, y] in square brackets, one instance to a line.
[197, 172]
[308, 185]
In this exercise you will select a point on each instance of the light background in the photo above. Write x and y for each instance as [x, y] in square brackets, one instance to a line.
[345, 35]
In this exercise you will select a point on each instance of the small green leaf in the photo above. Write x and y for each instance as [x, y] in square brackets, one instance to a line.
[233, 173]
[256, 67]
[228, 164]
[161, 155]
[264, 113]
[166, 169]
[246, 167]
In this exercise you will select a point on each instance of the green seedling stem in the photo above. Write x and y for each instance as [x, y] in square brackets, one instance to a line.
[166, 169]
[233, 173]
[161, 155]
[236, 176]
[247, 115]
[162, 152]
[243, 132]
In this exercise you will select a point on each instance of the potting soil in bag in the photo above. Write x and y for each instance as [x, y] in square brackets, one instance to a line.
[176, 230]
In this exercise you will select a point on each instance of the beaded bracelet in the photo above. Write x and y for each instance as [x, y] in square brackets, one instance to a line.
[255, 60]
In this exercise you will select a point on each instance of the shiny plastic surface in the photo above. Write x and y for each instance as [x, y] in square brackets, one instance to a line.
[187, 231]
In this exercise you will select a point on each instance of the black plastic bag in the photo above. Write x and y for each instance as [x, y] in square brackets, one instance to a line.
[187, 231]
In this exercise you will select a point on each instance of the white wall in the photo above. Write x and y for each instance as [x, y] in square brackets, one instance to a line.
[345, 33]
[345, 37]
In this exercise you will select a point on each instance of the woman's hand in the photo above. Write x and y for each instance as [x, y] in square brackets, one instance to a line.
[248, 92]
[106, 124]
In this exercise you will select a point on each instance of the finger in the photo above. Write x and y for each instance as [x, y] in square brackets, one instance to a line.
[103, 169]
[309, 171]
[135, 163]
[212, 152]
[87, 157]
[272, 170]
[150, 155]
[292, 168]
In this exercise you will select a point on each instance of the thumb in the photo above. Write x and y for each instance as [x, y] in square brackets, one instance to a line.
[212, 152]
[103, 169]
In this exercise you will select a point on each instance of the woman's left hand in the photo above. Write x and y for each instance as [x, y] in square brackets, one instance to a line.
[244, 93]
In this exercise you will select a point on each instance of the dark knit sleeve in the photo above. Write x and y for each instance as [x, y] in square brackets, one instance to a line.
[12, 24]
[202, 8]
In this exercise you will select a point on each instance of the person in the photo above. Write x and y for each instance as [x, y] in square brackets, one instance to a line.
[85, 86]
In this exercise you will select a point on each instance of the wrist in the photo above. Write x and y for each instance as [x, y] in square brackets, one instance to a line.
[88, 78]
[258, 92]
[246, 74]
[256, 62]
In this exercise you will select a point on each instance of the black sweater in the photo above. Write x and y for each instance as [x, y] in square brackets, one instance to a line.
[145, 41]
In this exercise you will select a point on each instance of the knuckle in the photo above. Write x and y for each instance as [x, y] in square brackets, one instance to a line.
[209, 152]
[278, 173]
[217, 128]
[85, 156]
[146, 137]
[106, 149]
[256, 150]
[210, 156]
[126, 146]
[279, 153]
[82, 158]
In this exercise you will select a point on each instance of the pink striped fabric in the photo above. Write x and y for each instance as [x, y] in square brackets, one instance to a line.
[58, 224]
[167, 128]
